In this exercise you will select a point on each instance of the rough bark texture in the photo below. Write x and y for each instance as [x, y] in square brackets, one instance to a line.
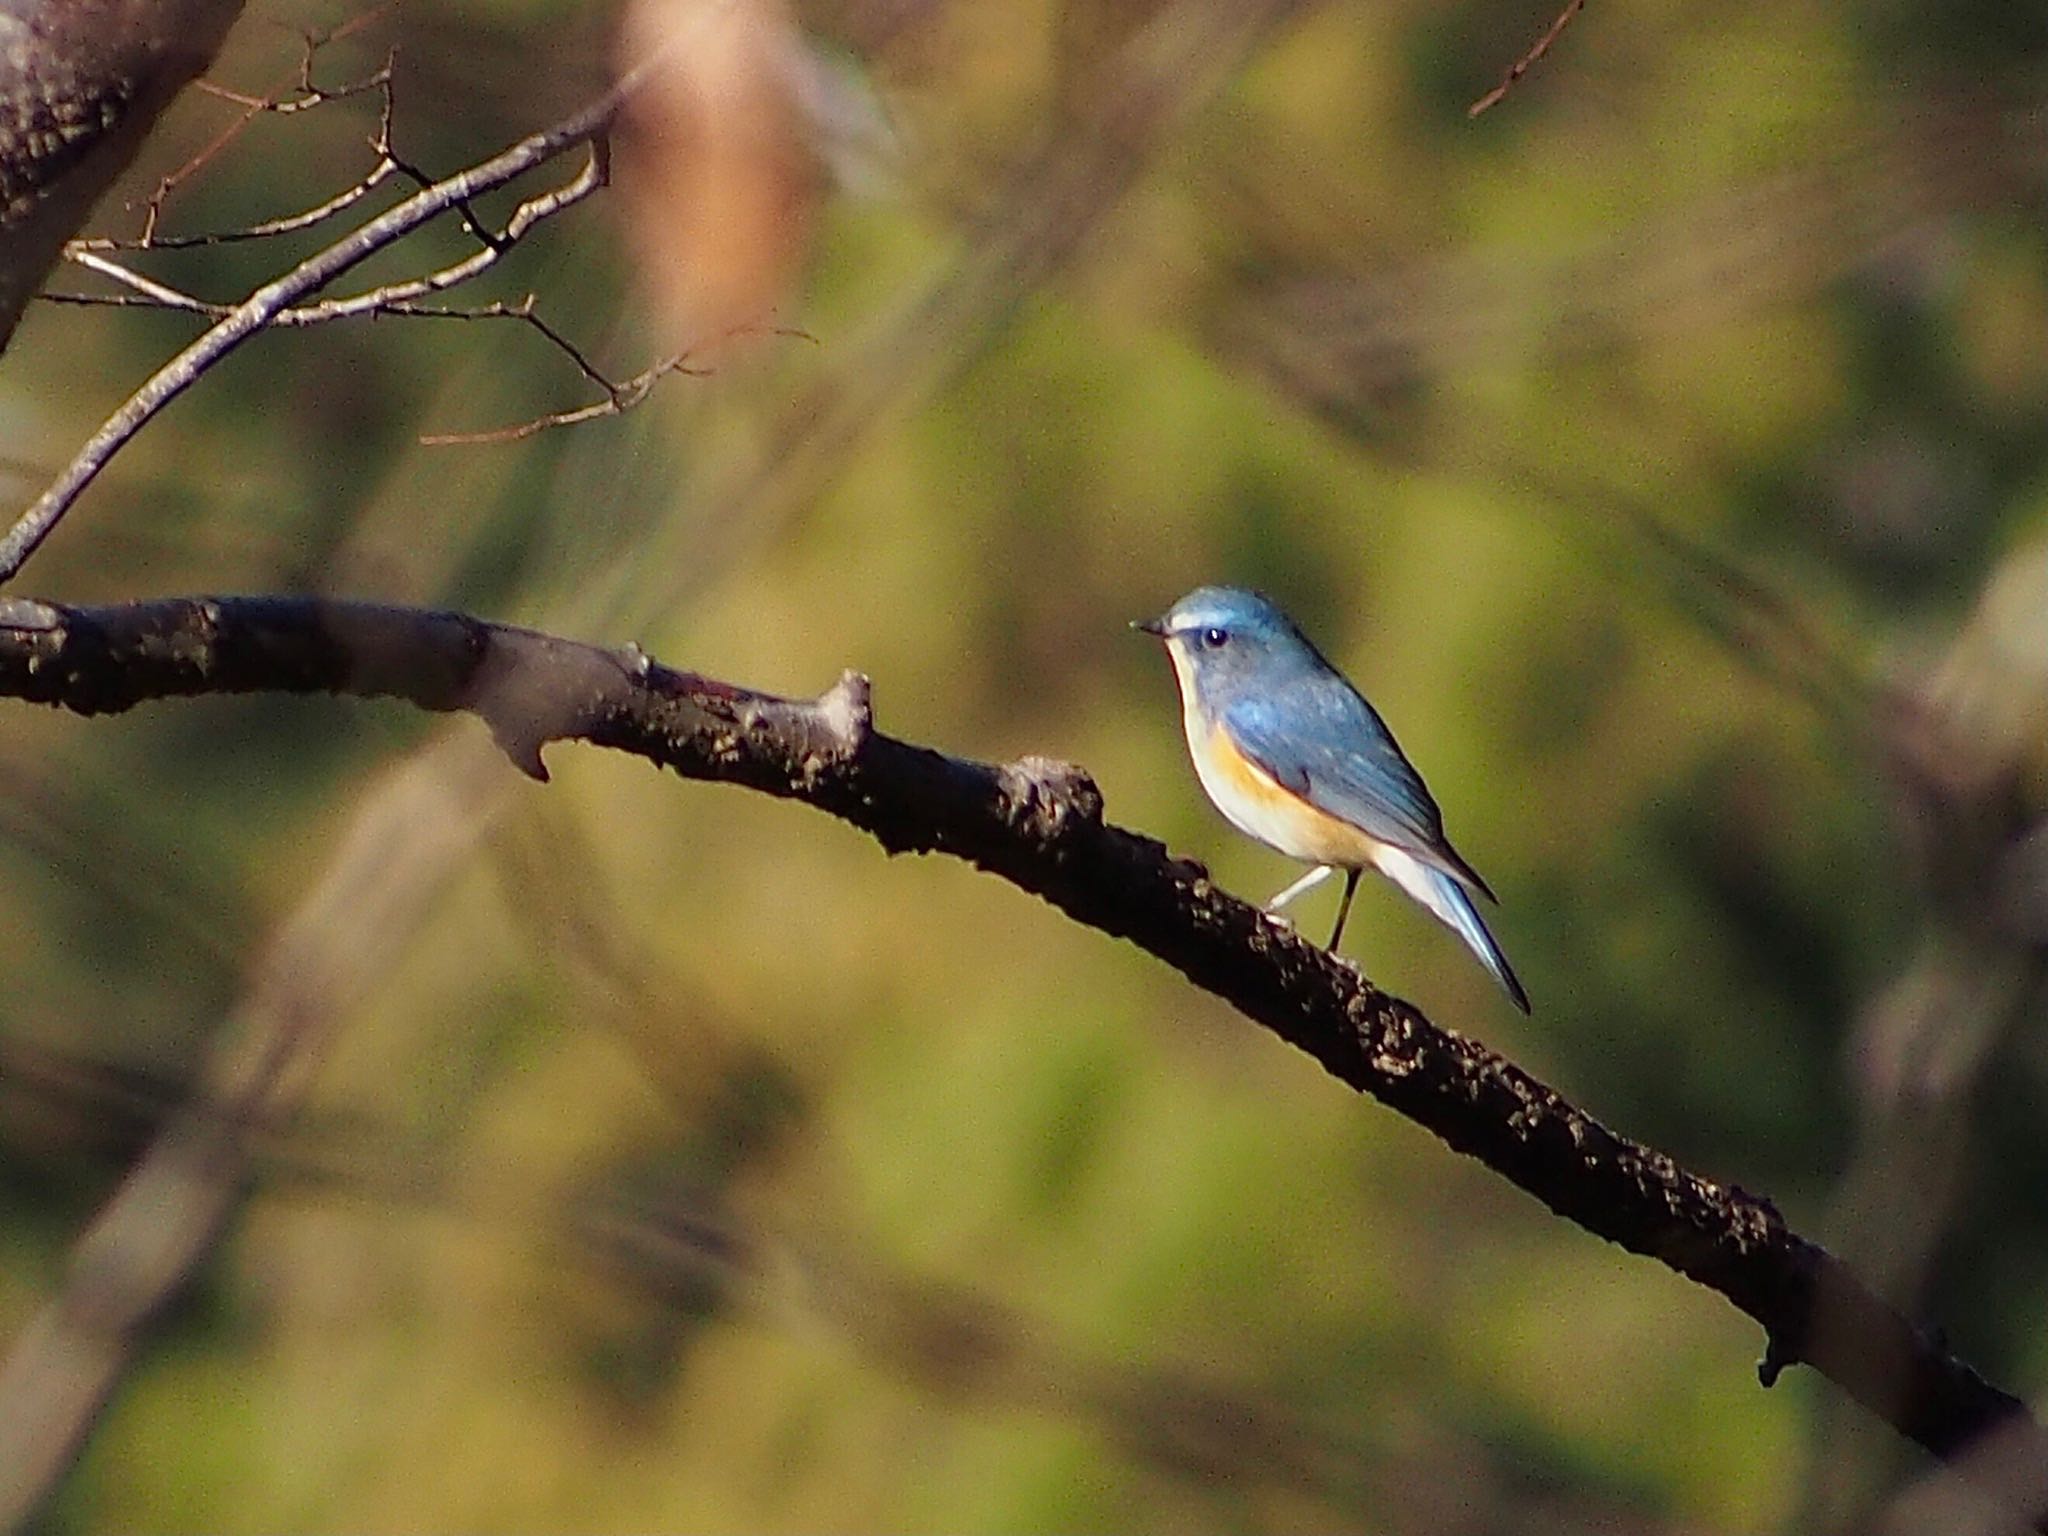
[81, 81]
[1038, 824]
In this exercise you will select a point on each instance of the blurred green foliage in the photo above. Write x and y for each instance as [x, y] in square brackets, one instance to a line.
[700, 1169]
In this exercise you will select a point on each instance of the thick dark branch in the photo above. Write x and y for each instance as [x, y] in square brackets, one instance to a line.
[1038, 824]
[81, 82]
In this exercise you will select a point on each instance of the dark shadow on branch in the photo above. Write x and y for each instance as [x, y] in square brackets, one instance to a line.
[1039, 824]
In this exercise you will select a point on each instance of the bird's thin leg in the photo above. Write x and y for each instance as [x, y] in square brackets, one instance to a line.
[1344, 908]
[1307, 882]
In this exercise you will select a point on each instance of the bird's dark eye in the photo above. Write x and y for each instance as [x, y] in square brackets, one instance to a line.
[1213, 637]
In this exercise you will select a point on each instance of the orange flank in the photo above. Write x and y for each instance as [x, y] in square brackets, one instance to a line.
[1257, 803]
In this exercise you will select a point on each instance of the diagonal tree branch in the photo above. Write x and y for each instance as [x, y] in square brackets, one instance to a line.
[1038, 824]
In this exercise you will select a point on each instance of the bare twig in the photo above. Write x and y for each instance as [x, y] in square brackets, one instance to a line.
[1529, 60]
[384, 300]
[261, 309]
[620, 396]
[1039, 825]
[307, 95]
[619, 399]
[397, 298]
[147, 290]
[285, 224]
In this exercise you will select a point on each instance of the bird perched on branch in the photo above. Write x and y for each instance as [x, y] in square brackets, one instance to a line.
[1293, 755]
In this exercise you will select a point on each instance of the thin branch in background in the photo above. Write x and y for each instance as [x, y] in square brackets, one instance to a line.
[385, 168]
[397, 298]
[387, 155]
[278, 103]
[148, 292]
[234, 322]
[286, 224]
[260, 310]
[151, 240]
[387, 298]
[1529, 60]
[308, 94]
[620, 396]
[619, 399]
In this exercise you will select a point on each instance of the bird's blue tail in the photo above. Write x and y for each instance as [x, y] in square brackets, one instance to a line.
[1450, 905]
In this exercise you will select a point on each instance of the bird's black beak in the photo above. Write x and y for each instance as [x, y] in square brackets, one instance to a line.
[1151, 626]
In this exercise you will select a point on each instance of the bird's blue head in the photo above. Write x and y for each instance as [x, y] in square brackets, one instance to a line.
[1227, 641]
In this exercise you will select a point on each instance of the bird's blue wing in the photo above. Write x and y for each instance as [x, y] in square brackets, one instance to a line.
[1318, 737]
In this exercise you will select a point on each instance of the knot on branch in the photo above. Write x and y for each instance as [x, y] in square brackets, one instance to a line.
[847, 710]
[25, 614]
[1047, 800]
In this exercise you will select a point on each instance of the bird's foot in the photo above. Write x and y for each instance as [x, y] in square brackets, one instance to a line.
[1307, 882]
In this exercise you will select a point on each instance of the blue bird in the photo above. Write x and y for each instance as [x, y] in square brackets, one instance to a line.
[1292, 754]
